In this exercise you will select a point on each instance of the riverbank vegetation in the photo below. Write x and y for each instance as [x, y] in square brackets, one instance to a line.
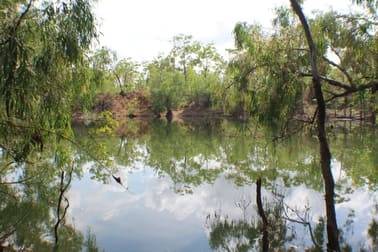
[268, 75]
[296, 72]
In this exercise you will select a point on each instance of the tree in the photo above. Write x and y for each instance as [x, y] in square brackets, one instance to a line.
[201, 66]
[260, 71]
[325, 153]
[126, 74]
[165, 84]
[275, 71]
[42, 46]
[102, 64]
[184, 53]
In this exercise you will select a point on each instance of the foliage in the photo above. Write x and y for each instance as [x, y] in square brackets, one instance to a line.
[271, 70]
[28, 206]
[42, 47]
[190, 71]
[206, 152]
[105, 124]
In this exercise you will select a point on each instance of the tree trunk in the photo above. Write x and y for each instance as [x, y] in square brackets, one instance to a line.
[260, 208]
[325, 154]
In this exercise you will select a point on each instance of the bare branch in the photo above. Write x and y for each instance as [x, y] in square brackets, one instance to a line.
[343, 70]
[301, 220]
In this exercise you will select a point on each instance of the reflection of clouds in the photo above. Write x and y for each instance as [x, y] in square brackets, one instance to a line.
[203, 200]
[300, 197]
[151, 211]
[359, 209]
[121, 220]
[361, 206]
[337, 171]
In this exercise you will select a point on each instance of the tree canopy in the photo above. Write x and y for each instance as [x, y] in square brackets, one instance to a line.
[42, 48]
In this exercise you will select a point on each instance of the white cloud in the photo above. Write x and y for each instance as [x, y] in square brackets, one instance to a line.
[141, 29]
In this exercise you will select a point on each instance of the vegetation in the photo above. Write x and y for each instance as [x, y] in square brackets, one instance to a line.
[48, 71]
[42, 48]
[262, 67]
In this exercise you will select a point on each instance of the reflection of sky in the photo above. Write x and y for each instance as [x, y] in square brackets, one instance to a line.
[152, 217]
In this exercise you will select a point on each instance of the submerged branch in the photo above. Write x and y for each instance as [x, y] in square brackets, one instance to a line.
[60, 217]
[262, 214]
[301, 220]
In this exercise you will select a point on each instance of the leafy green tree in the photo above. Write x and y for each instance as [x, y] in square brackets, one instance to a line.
[266, 65]
[184, 53]
[127, 75]
[191, 72]
[245, 235]
[101, 66]
[42, 46]
[272, 72]
[164, 84]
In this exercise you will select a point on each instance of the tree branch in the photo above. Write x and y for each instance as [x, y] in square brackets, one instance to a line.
[300, 220]
[261, 211]
[23, 14]
[343, 70]
[330, 81]
[62, 190]
[373, 85]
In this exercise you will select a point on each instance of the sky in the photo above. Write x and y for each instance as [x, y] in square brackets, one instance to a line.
[142, 29]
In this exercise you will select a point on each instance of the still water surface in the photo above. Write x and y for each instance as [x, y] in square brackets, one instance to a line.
[192, 188]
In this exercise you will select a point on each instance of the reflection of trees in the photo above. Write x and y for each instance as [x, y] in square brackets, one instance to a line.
[246, 235]
[289, 229]
[184, 154]
[192, 155]
[231, 235]
[187, 153]
[359, 162]
[33, 206]
[373, 234]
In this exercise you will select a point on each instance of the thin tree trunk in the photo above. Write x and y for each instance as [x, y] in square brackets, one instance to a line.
[265, 240]
[325, 154]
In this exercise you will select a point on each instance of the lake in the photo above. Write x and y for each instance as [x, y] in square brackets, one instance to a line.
[192, 187]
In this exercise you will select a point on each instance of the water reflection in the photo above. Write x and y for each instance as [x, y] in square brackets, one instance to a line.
[192, 188]
[33, 207]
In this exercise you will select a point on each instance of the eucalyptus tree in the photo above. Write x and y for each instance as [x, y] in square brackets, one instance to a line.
[127, 74]
[42, 46]
[268, 64]
[184, 53]
[210, 71]
[101, 64]
[333, 243]
[164, 83]
[273, 71]
[201, 65]
[260, 72]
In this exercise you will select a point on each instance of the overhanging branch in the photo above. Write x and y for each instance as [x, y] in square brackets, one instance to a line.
[343, 70]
